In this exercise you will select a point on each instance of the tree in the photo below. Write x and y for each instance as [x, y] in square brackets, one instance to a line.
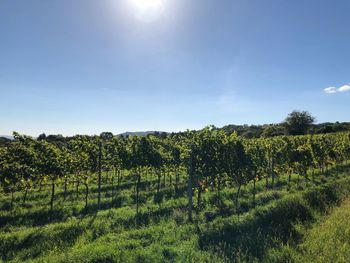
[298, 122]
[106, 136]
[41, 137]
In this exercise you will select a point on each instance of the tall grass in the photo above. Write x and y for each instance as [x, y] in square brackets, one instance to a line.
[161, 232]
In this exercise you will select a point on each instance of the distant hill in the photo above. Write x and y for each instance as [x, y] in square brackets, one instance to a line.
[10, 137]
[142, 133]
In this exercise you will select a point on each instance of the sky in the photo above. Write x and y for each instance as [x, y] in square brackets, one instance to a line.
[86, 66]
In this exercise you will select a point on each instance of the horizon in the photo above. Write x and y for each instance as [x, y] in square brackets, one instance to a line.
[85, 67]
[160, 131]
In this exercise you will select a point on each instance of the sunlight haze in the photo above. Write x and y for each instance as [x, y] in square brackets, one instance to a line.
[131, 65]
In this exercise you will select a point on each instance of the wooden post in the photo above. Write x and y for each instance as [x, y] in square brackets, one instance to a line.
[65, 188]
[189, 184]
[138, 192]
[272, 172]
[86, 196]
[52, 198]
[99, 175]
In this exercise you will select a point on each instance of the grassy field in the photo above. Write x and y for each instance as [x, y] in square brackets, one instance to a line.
[327, 240]
[263, 230]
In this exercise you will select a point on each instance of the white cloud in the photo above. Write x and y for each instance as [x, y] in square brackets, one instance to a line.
[332, 90]
[344, 88]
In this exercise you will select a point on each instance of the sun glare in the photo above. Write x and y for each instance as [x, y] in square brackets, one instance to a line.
[148, 10]
[147, 4]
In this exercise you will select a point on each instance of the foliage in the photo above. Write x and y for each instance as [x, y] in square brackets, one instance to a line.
[298, 122]
[228, 181]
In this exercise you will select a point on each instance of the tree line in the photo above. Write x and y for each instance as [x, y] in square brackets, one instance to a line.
[296, 123]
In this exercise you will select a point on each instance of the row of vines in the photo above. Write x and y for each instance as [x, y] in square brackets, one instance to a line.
[206, 160]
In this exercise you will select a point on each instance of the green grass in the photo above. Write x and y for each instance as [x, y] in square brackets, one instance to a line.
[327, 240]
[161, 232]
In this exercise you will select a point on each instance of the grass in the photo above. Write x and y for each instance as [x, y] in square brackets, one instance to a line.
[327, 240]
[263, 231]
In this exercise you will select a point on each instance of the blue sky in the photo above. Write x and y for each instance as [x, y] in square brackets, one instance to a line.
[88, 66]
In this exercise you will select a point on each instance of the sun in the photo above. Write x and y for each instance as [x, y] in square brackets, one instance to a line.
[147, 10]
[147, 4]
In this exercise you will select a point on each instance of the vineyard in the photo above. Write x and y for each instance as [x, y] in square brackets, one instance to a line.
[196, 196]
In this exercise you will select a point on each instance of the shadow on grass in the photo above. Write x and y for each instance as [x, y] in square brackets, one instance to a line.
[250, 238]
